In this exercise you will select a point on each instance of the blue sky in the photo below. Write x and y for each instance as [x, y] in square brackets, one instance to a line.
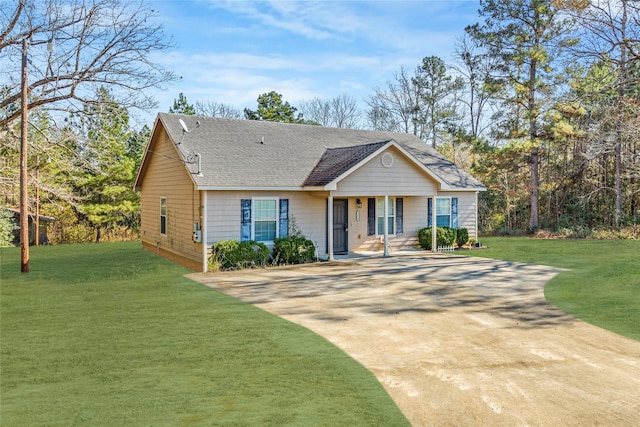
[233, 51]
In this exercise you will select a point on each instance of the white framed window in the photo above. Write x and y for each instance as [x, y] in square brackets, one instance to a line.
[163, 215]
[446, 211]
[391, 215]
[443, 211]
[265, 219]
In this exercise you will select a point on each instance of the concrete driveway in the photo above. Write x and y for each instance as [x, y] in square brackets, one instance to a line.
[457, 340]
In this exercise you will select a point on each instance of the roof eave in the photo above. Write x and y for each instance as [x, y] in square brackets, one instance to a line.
[143, 164]
[253, 188]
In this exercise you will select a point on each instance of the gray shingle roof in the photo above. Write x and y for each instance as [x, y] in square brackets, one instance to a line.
[255, 154]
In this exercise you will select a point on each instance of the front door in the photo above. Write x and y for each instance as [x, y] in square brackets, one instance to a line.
[340, 226]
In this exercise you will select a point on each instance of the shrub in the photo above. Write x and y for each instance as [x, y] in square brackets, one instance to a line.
[295, 249]
[445, 236]
[232, 255]
[6, 228]
[462, 237]
[449, 236]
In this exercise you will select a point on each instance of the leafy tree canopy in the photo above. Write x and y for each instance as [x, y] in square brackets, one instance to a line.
[182, 106]
[272, 108]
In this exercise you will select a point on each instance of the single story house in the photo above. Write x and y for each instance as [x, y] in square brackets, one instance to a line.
[205, 179]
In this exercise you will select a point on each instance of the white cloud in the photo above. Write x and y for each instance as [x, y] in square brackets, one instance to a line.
[233, 51]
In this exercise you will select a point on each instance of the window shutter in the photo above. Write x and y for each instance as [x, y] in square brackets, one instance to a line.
[454, 212]
[399, 206]
[429, 211]
[245, 220]
[371, 216]
[284, 217]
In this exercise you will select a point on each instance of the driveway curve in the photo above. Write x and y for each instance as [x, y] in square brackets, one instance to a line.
[457, 340]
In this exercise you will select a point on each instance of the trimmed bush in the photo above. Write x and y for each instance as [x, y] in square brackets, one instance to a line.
[449, 236]
[234, 255]
[462, 237]
[293, 250]
[445, 236]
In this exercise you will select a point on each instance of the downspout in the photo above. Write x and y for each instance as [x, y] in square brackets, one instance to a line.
[205, 213]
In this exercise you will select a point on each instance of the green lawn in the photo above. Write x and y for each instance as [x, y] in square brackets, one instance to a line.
[602, 286]
[113, 335]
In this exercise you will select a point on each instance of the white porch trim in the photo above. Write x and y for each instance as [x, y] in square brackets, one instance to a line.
[330, 226]
[434, 228]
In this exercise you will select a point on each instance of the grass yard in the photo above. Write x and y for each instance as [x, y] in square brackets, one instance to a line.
[110, 334]
[602, 286]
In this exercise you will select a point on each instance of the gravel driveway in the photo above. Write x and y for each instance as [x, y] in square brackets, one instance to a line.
[457, 340]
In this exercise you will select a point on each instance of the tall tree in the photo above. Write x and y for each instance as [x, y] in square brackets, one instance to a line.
[106, 182]
[610, 34]
[436, 88]
[272, 108]
[398, 107]
[475, 67]
[523, 35]
[106, 43]
[217, 109]
[341, 111]
[182, 106]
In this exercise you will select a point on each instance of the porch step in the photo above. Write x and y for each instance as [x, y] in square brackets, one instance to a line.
[395, 244]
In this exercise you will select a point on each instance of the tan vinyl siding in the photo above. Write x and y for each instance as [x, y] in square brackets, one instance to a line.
[402, 177]
[306, 211]
[413, 219]
[415, 215]
[166, 176]
[467, 209]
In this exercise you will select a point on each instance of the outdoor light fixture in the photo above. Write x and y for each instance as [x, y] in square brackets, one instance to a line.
[359, 203]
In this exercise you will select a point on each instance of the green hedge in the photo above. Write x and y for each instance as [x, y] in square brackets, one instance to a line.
[462, 237]
[445, 236]
[293, 250]
[234, 255]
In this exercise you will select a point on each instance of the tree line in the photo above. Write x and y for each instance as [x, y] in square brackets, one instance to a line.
[540, 102]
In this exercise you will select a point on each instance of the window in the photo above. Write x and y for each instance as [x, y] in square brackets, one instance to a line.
[443, 212]
[391, 215]
[163, 215]
[265, 219]
[446, 212]
[375, 216]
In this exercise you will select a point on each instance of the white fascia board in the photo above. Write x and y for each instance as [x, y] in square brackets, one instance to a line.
[464, 190]
[146, 154]
[236, 188]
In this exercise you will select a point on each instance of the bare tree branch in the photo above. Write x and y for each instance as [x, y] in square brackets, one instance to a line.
[101, 43]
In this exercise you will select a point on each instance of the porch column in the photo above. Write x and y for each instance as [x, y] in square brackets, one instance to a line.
[386, 225]
[330, 226]
[434, 235]
[476, 219]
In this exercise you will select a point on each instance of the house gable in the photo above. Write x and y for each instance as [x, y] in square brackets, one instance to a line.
[387, 172]
[353, 170]
[163, 176]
